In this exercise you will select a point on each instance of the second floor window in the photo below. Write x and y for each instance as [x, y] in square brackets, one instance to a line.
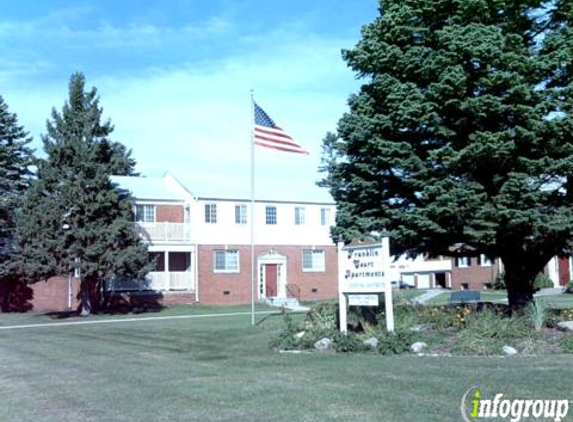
[271, 215]
[240, 214]
[211, 213]
[299, 216]
[325, 216]
[145, 213]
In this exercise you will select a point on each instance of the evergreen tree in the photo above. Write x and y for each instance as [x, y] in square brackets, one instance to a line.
[459, 141]
[73, 217]
[15, 160]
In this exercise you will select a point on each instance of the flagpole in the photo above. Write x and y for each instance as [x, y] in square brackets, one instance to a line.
[252, 219]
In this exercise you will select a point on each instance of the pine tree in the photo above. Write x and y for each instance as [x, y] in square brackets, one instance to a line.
[15, 160]
[73, 217]
[459, 141]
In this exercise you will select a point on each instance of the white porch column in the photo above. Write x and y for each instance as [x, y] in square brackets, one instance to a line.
[553, 271]
[166, 269]
[342, 303]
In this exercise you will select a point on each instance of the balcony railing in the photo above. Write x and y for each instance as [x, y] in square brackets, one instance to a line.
[156, 281]
[167, 232]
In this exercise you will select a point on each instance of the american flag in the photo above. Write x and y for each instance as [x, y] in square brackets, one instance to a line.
[267, 134]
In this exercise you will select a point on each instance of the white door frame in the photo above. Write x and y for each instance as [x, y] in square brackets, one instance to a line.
[280, 261]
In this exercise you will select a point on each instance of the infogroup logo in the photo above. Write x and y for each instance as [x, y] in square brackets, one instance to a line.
[475, 407]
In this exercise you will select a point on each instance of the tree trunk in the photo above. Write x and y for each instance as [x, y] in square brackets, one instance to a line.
[4, 296]
[85, 298]
[520, 273]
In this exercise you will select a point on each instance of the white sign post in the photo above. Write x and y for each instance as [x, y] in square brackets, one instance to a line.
[363, 270]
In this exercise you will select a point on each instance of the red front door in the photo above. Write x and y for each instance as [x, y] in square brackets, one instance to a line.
[564, 276]
[271, 280]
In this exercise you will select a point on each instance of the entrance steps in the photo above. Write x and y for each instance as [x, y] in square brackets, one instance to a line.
[290, 303]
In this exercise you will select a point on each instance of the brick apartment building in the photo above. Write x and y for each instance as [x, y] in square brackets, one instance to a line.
[201, 246]
[203, 251]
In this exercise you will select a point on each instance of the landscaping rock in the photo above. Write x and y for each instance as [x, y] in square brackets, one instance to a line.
[299, 335]
[372, 342]
[323, 344]
[566, 325]
[419, 328]
[418, 347]
[509, 351]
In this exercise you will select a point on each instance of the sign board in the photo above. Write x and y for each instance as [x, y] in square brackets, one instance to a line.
[363, 300]
[364, 269]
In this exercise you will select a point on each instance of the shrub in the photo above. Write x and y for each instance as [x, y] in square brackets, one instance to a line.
[553, 316]
[346, 342]
[537, 313]
[395, 343]
[567, 344]
[285, 341]
[444, 317]
[498, 282]
[405, 316]
[487, 331]
[542, 282]
[489, 324]
[569, 287]
[323, 317]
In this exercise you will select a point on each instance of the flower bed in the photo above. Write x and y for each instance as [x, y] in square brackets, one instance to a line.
[483, 329]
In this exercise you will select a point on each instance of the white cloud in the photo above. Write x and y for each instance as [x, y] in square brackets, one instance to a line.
[195, 118]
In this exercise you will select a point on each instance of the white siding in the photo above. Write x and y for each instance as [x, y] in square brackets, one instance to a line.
[285, 232]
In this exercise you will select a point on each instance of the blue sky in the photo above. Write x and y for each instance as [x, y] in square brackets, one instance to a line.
[174, 77]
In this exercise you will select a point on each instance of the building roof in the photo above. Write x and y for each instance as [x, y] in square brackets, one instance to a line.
[267, 192]
[168, 188]
[152, 188]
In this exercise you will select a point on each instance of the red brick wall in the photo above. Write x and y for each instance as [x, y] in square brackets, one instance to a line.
[169, 213]
[52, 295]
[475, 275]
[152, 298]
[212, 286]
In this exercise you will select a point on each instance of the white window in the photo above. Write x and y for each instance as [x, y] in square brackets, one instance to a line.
[211, 213]
[463, 262]
[485, 261]
[325, 216]
[313, 260]
[299, 216]
[226, 261]
[271, 215]
[145, 213]
[240, 214]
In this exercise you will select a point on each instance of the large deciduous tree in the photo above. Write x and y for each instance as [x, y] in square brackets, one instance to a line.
[459, 142]
[15, 162]
[73, 217]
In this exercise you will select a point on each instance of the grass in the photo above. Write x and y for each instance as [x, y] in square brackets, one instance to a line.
[486, 296]
[558, 301]
[221, 369]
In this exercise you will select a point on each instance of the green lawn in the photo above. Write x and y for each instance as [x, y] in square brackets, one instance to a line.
[486, 296]
[220, 369]
[556, 301]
